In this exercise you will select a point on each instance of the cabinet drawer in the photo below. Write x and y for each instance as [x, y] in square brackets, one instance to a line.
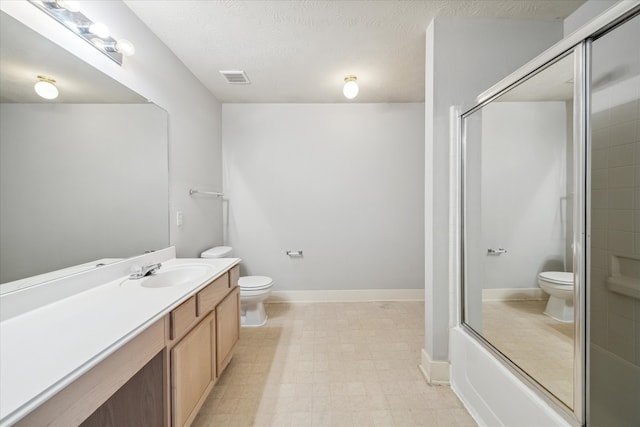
[210, 296]
[234, 276]
[183, 317]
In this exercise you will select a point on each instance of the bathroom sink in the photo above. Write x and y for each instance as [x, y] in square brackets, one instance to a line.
[172, 276]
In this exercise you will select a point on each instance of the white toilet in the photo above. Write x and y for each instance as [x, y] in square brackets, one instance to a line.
[254, 290]
[559, 286]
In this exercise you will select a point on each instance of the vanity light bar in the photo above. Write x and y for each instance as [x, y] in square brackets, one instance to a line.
[94, 33]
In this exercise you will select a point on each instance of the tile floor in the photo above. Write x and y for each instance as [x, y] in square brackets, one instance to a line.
[540, 345]
[332, 364]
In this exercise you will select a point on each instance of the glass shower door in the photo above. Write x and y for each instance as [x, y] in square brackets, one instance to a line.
[613, 352]
[517, 223]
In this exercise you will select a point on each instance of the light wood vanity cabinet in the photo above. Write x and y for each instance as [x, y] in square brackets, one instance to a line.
[193, 371]
[204, 331]
[228, 328]
[162, 376]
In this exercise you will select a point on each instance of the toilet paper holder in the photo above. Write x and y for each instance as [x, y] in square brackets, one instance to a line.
[498, 251]
[294, 253]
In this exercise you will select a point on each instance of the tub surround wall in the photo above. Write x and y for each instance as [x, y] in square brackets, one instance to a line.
[484, 51]
[615, 213]
[194, 114]
[342, 182]
[615, 226]
[614, 350]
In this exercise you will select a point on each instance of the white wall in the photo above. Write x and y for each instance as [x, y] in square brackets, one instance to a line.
[75, 188]
[342, 182]
[464, 57]
[194, 114]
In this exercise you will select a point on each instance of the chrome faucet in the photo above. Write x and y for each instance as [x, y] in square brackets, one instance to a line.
[139, 271]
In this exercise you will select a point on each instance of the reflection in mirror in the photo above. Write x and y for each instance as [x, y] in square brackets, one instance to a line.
[518, 230]
[84, 177]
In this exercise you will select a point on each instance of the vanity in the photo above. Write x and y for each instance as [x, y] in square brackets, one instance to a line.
[79, 342]
[98, 348]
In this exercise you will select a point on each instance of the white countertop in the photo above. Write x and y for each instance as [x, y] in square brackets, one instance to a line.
[40, 278]
[45, 349]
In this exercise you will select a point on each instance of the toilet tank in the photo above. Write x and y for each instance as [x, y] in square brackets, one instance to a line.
[217, 252]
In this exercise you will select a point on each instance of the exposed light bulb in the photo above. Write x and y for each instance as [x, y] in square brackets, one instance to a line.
[98, 42]
[99, 29]
[46, 88]
[125, 47]
[350, 89]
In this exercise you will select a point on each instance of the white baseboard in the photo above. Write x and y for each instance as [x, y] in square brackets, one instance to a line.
[436, 372]
[352, 295]
[513, 294]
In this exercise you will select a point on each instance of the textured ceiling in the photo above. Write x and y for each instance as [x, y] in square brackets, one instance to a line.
[300, 50]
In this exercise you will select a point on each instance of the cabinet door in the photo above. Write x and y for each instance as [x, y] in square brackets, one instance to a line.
[192, 371]
[228, 326]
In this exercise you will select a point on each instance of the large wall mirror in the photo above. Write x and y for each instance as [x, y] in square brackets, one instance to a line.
[84, 177]
[518, 185]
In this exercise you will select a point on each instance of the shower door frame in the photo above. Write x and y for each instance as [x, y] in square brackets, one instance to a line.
[576, 413]
[578, 43]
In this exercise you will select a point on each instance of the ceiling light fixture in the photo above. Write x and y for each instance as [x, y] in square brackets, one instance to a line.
[350, 89]
[95, 33]
[70, 5]
[46, 88]
[122, 46]
[125, 47]
[100, 30]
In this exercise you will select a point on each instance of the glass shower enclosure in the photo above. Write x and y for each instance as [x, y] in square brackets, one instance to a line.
[550, 226]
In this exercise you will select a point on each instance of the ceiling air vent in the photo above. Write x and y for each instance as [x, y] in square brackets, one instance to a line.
[236, 77]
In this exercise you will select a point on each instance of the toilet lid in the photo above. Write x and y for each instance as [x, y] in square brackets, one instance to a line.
[557, 277]
[217, 252]
[254, 282]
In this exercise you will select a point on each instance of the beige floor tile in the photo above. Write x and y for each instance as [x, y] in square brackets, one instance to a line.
[261, 420]
[333, 364]
[301, 419]
[321, 419]
[540, 345]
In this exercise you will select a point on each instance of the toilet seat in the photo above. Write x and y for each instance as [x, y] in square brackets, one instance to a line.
[560, 278]
[254, 283]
